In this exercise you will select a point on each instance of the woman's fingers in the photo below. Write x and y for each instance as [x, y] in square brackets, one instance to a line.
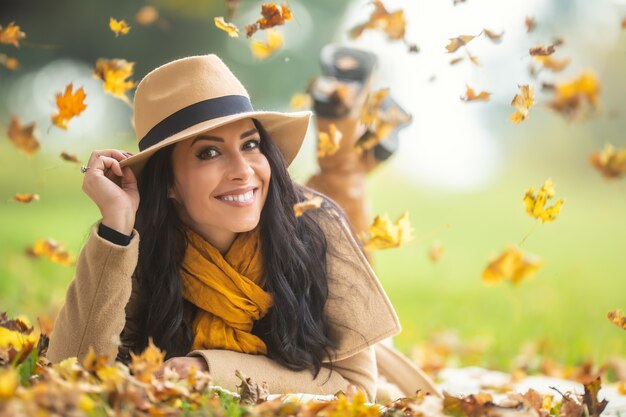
[107, 159]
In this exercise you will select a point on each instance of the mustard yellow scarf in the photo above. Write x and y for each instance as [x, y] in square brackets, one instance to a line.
[227, 291]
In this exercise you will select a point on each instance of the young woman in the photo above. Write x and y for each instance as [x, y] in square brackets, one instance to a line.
[200, 250]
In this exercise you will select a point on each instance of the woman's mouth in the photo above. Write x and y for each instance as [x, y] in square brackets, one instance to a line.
[240, 200]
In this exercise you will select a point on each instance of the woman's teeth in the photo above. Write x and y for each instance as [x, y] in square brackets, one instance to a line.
[241, 197]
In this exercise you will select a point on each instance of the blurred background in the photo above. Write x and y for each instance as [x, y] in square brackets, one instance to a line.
[461, 170]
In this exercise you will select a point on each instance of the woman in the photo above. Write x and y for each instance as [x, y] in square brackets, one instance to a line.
[199, 248]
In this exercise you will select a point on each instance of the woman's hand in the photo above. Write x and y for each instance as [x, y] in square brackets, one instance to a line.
[118, 204]
[182, 365]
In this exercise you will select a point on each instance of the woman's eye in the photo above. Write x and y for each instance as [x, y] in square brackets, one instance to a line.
[252, 144]
[207, 153]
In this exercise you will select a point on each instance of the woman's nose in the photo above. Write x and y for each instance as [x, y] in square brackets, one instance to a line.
[240, 168]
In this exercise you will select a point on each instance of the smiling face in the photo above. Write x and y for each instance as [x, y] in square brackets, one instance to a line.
[221, 180]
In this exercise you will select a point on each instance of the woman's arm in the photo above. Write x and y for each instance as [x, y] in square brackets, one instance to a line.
[93, 314]
[359, 370]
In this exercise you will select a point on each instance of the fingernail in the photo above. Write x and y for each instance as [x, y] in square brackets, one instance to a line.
[127, 154]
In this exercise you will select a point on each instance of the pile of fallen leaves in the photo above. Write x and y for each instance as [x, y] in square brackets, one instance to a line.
[31, 385]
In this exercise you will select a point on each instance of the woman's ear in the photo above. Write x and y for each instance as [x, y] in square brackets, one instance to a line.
[172, 192]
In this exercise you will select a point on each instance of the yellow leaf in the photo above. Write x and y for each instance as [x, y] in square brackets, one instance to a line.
[25, 198]
[391, 23]
[52, 250]
[11, 35]
[470, 95]
[536, 204]
[610, 162]
[617, 317]
[144, 365]
[114, 73]
[384, 234]
[262, 50]
[329, 142]
[300, 101]
[493, 36]
[522, 102]
[23, 137]
[456, 43]
[310, 204]
[553, 64]
[9, 381]
[513, 265]
[118, 27]
[70, 104]
[570, 96]
[621, 385]
[229, 28]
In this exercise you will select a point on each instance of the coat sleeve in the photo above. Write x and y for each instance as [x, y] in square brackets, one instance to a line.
[94, 310]
[359, 370]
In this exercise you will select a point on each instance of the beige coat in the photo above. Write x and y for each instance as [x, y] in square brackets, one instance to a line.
[99, 305]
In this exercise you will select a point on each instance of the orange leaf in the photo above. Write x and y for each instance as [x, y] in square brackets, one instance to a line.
[25, 198]
[9, 62]
[229, 28]
[522, 102]
[493, 36]
[436, 250]
[610, 162]
[456, 60]
[144, 365]
[512, 265]
[554, 65]
[23, 137]
[617, 317]
[114, 73]
[69, 104]
[52, 250]
[11, 35]
[69, 158]
[119, 27]
[273, 15]
[310, 204]
[530, 24]
[393, 24]
[456, 43]
[147, 15]
[471, 96]
[570, 96]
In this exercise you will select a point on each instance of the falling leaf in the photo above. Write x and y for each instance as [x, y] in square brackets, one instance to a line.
[273, 15]
[541, 50]
[11, 35]
[493, 35]
[25, 198]
[146, 364]
[570, 96]
[70, 104]
[553, 64]
[617, 317]
[470, 95]
[69, 157]
[300, 101]
[147, 15]
[51, 250]
[624, 23]
[250, 391]
[384, 234]
[229, 28]
[329, 142]
[312, 203]
[114, 73]
[456, 60]
[9, 63]
[536, 204]
[513, 265]
[455, 2]
[23, 137]
[473, 58]
[262, 50]
[436, 251]
[590, 398]
[522, 102]
[456, 43]
[610, 162]
[530, 24]
[118, 27]
[391, 23]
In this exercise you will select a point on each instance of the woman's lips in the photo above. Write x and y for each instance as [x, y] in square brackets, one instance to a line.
[238, 203]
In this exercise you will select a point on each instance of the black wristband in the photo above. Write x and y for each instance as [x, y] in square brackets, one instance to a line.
[113, 235]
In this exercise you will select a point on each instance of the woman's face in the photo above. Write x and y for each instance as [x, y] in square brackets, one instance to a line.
[221, 180]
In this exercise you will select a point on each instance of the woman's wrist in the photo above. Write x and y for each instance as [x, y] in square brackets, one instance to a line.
[120, 224]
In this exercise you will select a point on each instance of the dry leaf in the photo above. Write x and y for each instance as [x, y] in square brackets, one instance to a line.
[554, 65]
[300, 101]
[541, 50]
[392, 23]
[118, 27]
[310, 204]
[493, 36]
[530, 24]
[146, 364]
[11, 35]
[456, 60]
[610, 162]
[617, 317]
[114, 73]
[436, 250]
[273, 15]
[69, 157]
[51, 250]
[456, 43]
[329, 142]
[384, 234]
[9, 63]
[262, 50]
[522, 102]
[70, 104]
[473, 58]
[470, 95]
[570, 96]
[251, 392]
[536, 204]
[229, 28]
[25, 198]
[23, 137]
[590, 398]
[147, 15]
[513, 265]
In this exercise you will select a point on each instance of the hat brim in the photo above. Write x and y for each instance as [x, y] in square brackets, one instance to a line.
[287, 131]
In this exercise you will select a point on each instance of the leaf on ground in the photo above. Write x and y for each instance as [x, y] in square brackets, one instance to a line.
[250, 391]
[590, 398]
[145, 365]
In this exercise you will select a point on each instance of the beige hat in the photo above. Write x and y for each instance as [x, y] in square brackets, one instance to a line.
[188, 96]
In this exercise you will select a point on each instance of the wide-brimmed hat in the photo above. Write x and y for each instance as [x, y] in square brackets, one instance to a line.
[188, 96]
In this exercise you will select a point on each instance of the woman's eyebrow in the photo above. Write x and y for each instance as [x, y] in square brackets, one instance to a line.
[219, 139]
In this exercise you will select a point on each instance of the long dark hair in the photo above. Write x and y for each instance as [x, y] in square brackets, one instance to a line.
[295, 330]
